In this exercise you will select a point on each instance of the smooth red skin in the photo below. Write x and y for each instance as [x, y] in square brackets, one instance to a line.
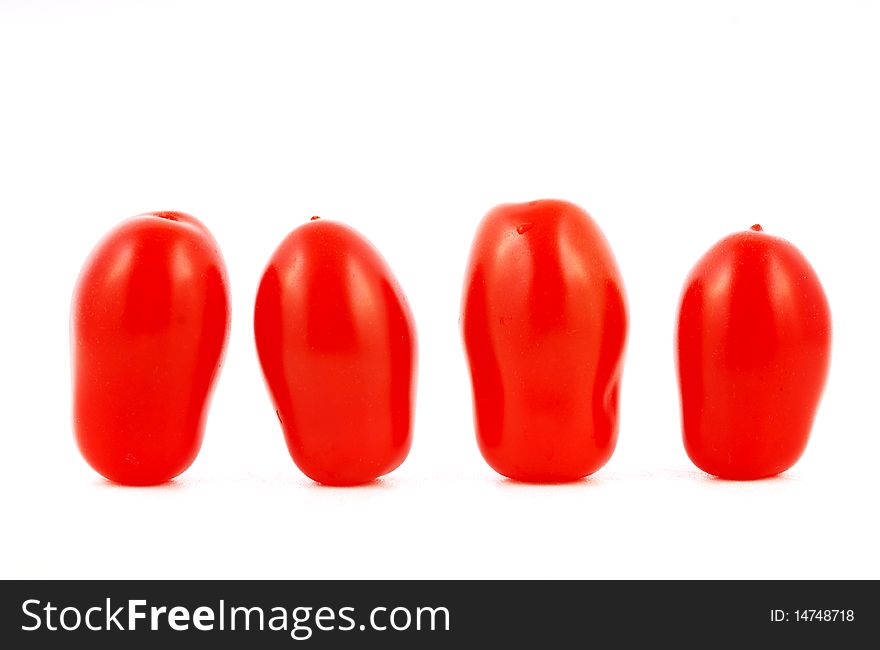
[754, 346]
[149, 324]
[337, 343]
[544, 322]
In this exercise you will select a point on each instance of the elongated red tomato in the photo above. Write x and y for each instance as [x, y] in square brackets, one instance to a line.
[754, 345]
[149, 323]
[544, 322]
[337, 344]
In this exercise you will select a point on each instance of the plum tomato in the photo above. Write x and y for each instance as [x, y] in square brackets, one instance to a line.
[149, 325]
[544, 323]
[753, 352]
[337, 345]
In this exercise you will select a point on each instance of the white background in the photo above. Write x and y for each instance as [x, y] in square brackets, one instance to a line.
[673, 123]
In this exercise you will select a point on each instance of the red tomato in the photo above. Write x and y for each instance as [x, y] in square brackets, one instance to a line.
[754, 344]
[337, 344]
[149, 323]
[544, 322]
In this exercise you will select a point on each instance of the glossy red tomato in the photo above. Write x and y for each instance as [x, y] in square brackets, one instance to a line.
[544, 322]
[337, 344]
[754, 344]
[149, 323]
